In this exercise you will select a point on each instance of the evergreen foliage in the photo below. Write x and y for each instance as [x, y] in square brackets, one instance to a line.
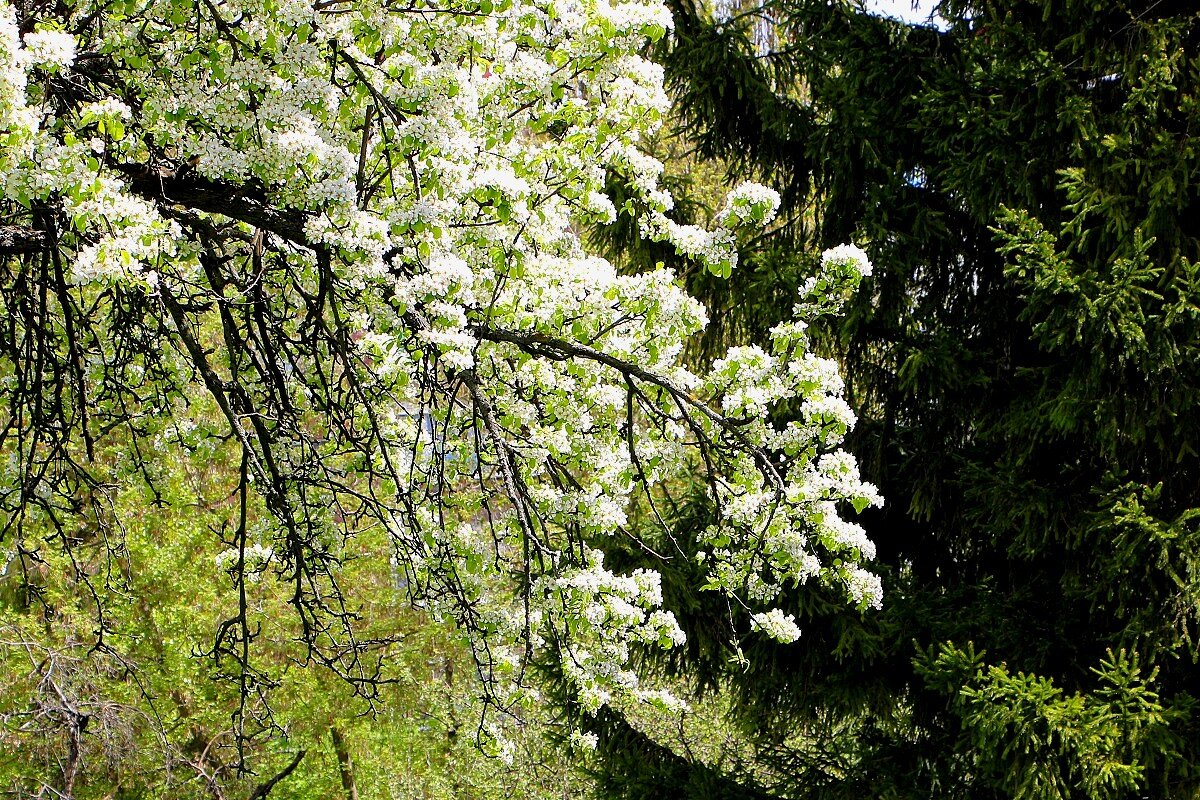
[1026, 365]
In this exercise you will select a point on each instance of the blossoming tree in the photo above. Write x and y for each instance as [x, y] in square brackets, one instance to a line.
[355, 228]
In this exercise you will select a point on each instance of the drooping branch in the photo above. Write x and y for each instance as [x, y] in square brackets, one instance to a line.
[369, 457]
[558, 349]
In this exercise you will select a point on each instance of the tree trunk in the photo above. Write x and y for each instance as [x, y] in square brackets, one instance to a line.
[345, 766]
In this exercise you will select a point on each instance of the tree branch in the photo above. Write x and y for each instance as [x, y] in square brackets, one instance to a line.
[16, 240]
[265, 788]
[244, 203]
[557, 349]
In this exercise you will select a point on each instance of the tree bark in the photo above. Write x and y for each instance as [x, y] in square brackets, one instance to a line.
[15, 240]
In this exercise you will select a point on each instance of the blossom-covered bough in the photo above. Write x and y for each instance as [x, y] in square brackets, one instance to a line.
[356, 227]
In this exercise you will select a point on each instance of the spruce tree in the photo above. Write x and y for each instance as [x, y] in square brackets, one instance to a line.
[1026, 366]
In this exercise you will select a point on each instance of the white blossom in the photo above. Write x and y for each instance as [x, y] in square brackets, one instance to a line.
[849, 256]
[50, 48]
[865, 587]
[779, 626]
[750, 203]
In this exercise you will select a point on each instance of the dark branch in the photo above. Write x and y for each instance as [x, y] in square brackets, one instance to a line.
[558, 349]
[265, 788]
[243, 203]
[15, 240]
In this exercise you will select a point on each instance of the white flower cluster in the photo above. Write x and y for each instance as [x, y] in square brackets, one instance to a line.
[611, 614]
[109, 109]
[257, 559]
[47, 48]
[19, 123]
[839, 272]
[750, 203]
[865, 587]
[779, 626]
[583, 741]
[796, 511]
[847, 256]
